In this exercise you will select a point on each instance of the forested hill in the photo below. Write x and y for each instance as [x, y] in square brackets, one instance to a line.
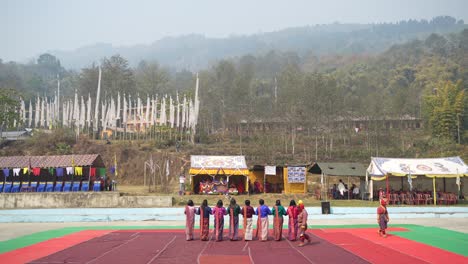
[195, 52]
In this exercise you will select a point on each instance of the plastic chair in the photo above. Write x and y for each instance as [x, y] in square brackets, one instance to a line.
[75, 187]
[427, 198]
[58, 187]
[394, 198]
[7, 187]
[15, 188]
[1, 187]
[49, 187]
[85, 187]
[41, 187]
[67, 187]
[33, 187]
[97, 186]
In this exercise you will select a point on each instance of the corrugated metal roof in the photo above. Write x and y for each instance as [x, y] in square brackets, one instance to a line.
[339, 168]
[94, 160]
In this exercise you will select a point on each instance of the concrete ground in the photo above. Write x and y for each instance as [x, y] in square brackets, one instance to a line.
[13, 230]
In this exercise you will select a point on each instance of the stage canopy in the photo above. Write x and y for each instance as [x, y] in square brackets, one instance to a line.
[450, 167]
[218, 165]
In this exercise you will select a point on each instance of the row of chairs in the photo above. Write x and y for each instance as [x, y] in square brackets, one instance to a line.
[422, 198]
[8, 187]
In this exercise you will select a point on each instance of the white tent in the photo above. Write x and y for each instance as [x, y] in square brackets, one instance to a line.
[449, 167]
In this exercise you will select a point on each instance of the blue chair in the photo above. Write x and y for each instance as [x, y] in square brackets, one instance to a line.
[58, 187]
[1, 187]
[97, 186]
[75, 187]
[67, 187]
[7, 187]
[85, 187]
[15, 188]
[41, 187]
[49, 187]
[33, 187]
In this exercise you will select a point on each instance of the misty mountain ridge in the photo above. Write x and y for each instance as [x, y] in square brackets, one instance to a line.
[196, 51]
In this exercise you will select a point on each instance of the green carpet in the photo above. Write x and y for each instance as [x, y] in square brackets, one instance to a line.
[452, 241]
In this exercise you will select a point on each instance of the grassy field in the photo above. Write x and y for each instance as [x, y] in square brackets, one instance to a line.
[308, 199]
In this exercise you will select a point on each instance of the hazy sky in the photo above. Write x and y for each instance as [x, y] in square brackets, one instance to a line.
[29, 27]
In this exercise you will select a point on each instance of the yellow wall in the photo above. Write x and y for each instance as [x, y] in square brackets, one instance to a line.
[258, 175]
[292, 187]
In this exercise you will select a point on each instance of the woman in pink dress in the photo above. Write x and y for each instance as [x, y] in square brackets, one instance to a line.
[219, 212]
[189, 220]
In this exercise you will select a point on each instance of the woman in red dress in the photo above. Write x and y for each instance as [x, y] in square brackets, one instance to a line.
[382, 217]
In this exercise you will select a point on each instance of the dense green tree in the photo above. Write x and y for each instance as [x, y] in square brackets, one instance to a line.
[444, 108]
[117, 76]
[151, 78]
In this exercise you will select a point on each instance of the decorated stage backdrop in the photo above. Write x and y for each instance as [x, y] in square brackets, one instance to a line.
[449, 167]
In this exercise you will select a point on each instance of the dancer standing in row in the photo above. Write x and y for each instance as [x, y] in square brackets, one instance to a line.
[292, 222]
[302, 222]
[278, 211]
[234, 211]
[219, 212]
[262, 224]
[247, 211]
[204, 211]
[189, 220]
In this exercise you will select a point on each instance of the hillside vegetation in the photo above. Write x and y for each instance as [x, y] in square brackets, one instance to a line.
[277, 107]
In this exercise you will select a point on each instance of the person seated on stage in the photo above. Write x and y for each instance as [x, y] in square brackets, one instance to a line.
[233, 189]
[355, 191]
[334, 191]
[201, 186]
[257, 187]
[240, 188]
[341, 189]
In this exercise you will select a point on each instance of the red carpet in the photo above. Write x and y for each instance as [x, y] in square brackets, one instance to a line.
[361, 245]
[366, 243]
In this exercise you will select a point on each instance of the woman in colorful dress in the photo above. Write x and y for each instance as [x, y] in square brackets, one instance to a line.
[302, 222]
[189, 220]
[262, 224]
[292, 223]
[382, 217]
[204, 211]
[219, 212]
[278, 211]
[247, 212]
[234, 211]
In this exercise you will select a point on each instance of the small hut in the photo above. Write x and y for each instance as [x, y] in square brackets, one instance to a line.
[218, 174]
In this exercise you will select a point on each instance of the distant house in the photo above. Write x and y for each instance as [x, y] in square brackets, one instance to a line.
[405, 122]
